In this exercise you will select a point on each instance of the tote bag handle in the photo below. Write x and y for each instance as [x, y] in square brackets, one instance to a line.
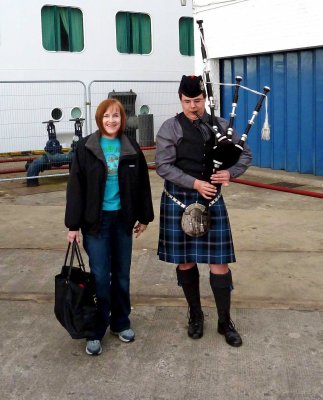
[75, 251]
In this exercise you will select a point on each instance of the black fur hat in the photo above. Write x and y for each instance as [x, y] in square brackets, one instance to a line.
[191, 86]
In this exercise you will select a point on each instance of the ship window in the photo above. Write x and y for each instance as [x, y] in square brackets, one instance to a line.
[76, 112]
[186, 36]
[62, 28]
[57, 114]
[133, 33]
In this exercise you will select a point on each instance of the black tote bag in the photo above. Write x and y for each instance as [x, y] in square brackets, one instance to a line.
[75, 299]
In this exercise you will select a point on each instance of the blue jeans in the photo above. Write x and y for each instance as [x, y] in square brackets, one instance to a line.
[109, 255]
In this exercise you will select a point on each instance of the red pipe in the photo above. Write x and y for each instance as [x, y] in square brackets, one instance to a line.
[17, 170]
[279, 188]
[271, 187]
[147, 147]
[17, 159]
[235, 180]
[12, 171]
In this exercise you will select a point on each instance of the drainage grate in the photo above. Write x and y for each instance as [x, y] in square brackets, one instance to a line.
[286, 184]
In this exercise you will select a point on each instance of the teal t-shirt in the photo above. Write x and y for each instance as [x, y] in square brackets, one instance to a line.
[111, 151]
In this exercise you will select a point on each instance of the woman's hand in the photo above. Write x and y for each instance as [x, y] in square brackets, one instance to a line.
[221, 177]
[73, 235]
[205, 189]
[139, 229]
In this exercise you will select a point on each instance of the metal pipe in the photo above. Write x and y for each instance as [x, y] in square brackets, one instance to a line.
[18, 159]
[279, 188]
[18, 170]
[270, 187]
[235, 180]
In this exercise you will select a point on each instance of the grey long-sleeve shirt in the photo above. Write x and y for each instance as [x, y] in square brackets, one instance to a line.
[169, 135]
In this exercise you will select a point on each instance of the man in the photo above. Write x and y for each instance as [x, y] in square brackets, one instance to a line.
[184, 159]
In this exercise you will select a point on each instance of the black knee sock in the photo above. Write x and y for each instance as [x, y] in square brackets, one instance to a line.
[189, 280]
[221, 285]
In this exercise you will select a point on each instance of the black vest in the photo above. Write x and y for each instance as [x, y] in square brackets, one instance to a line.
[194, 153]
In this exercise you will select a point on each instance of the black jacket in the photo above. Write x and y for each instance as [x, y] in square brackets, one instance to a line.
[86, 184]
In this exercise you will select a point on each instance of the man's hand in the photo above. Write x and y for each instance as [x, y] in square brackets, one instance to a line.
[205, 189]
[221, 177]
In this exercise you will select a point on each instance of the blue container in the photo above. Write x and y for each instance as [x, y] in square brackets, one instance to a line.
[295, 107]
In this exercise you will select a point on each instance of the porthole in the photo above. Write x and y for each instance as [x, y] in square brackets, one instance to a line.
[76, 112]
[144, 110]
[57, 114]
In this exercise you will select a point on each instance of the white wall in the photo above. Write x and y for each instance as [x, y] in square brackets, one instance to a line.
[245, 27]
[259, 26]
[24, 58]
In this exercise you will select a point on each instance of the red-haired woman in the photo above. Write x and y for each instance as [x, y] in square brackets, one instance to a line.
[109, 197]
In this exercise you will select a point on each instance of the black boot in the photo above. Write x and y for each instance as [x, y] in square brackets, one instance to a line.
[221, 287]
[189, 280]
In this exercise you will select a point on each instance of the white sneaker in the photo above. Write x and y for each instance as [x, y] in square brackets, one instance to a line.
[127, 335]
[93, 347]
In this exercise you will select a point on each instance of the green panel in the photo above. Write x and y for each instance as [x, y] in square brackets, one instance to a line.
[133, 31]
[186, 36]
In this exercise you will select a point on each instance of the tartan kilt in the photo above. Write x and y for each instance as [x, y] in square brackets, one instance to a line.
[174, 246]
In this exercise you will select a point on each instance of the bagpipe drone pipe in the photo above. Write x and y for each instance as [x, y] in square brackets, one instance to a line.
[225, 152]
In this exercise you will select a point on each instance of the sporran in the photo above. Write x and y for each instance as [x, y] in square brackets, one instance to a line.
[196, 220]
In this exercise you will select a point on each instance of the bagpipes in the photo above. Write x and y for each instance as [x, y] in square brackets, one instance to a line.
[225, 152]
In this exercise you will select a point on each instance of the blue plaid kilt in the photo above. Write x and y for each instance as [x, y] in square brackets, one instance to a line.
[174, 246]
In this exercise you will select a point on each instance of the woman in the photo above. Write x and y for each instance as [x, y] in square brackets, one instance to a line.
[109, 196]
